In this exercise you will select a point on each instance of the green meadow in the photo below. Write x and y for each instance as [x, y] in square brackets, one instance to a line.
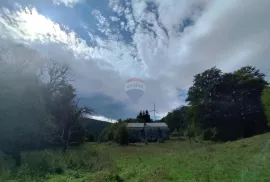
[245, 160]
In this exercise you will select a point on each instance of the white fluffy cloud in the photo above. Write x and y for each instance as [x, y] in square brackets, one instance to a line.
[68, 3]
[102, 118]
[223, 34]
[28, 26]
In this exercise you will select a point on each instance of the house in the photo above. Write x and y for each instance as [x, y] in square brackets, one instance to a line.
[139, 132]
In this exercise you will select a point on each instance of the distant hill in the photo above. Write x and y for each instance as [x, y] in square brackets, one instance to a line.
[94, 126]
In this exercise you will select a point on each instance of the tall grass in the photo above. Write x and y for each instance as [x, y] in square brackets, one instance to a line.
[245, 160]
[38, 165]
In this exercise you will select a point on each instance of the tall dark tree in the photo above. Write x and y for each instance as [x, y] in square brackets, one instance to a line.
[229, 102]
[144, 117]
[63, 126]
[203, 89]
[266, 104]
[178, 119]
[143, 114]
[140, 115]
[147, 117]
[37, 104]
[22, 108]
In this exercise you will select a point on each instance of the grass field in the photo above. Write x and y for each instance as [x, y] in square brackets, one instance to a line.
[246, 160]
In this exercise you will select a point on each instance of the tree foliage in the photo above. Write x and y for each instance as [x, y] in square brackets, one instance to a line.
[226, 106]
[229, 102]
[144, 117]
[266, 104]
[63, 127]
[116, 132]
[178, 119]
[22, 109]
[39, 105]
[121, 134]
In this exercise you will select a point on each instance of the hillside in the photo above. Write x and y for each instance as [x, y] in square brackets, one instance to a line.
[94, 126]
[246, 160]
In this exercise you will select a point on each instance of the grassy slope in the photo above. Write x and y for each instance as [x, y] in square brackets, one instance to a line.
[242, 161]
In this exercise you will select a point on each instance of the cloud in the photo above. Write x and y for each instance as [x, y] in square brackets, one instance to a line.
[28, 26]
[114, 18]
[163, 42]
[68, 3]
[227, 36]
[102, 118]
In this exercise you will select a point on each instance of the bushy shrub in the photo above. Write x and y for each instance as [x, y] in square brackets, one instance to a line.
[116, 132]
[90, 137]
[121, 134]
[107, 133]
[210, 134]
[190, 132]
[193, 132]
[40, 163]
[77, 138]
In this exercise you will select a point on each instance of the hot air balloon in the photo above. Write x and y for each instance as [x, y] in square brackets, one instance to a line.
[134, 88]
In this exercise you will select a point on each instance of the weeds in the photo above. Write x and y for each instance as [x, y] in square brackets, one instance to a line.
[41, 164]
[171, 161]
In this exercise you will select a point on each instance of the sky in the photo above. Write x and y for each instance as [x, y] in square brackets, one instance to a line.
[163, 42]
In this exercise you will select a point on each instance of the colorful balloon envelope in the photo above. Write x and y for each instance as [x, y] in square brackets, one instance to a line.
[134, 88]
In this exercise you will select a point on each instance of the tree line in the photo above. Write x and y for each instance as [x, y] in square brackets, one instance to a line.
[224, 106]
[144, 117]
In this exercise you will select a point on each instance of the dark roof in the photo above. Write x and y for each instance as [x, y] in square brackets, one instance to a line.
[141, 125]
[157, 124]
[135, 125]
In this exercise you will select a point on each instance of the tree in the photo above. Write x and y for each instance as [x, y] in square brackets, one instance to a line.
[119, 121]
[63, 127]
[143, 114]
[108, 133]
[144, 117]
[90, 136]
[116, 132]
[130, 120]
[37, 104]
[147, 117]
[140, 117]
[229, 102]
[203, 89]
[121, 134]
[210, 134]
[22, 109]
[178, 119]
[249, 88]
[266, 104]
[192, 132]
